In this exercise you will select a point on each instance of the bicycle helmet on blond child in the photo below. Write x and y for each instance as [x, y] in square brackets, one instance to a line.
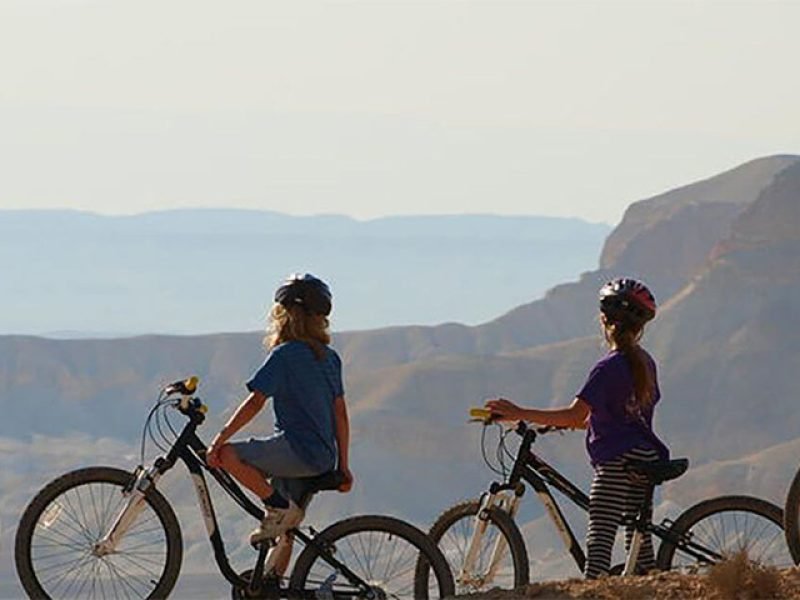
[306, 291]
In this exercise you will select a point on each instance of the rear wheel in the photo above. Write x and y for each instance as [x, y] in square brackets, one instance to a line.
[381, 551]
[501, 560]
[720, 528]
[791, 518]
[56, 537]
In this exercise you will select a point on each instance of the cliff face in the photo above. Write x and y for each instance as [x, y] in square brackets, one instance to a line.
[736, 189]
[665, 240]
[728, 341]
[775, 215]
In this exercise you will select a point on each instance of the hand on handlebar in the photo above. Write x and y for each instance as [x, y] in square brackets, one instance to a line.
[505, 410]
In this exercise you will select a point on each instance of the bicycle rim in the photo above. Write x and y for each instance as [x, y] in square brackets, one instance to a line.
[56, 540]
[381, 551]
[723, 527]
[791, 518]
[501, 560]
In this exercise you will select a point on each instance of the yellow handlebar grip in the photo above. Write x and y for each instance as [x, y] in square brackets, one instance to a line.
[191, 384]
[482, 414]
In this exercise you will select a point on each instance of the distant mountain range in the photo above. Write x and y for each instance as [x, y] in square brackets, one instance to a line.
[76, 275]
[722, 256]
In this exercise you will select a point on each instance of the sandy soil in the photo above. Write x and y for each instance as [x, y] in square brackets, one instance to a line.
[725, 585]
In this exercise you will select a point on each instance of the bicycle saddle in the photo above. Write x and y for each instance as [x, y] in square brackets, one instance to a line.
[327, 481]
[660, 471]
[311, 485]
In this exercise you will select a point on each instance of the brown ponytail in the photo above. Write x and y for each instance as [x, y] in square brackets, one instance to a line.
[625, 337]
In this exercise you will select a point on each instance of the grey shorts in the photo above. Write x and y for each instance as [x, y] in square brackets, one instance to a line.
[275, 458]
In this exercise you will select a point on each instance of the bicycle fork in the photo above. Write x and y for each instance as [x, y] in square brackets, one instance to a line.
[145, 479]
[504, 501]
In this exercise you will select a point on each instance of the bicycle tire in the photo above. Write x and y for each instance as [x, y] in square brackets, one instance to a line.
[791, 518]
[700, 522]
[51, 519]
[311, 569]
[455, 525]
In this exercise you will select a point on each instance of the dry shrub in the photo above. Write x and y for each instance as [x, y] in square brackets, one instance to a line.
[739, 578]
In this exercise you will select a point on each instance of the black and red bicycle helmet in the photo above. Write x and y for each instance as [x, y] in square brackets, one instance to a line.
[627, 300]
[307, 291]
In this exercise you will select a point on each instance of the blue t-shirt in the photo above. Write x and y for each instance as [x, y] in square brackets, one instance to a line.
[612, 430]
[303, 390]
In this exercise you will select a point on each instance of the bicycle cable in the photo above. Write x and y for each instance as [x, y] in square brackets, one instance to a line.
[502, 470]
[171, 428]
[509, 454]
[155, 416]
[146, 432]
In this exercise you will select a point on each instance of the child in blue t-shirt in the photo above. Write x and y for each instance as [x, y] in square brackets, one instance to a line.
[615, 405]
[303, 376]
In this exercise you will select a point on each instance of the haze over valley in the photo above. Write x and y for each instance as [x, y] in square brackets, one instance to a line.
[70, 274]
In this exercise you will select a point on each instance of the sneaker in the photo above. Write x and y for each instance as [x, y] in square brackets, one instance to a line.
[277, 522]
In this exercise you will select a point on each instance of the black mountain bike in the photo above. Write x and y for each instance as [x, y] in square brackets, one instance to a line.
[102, 532]
[485, 547]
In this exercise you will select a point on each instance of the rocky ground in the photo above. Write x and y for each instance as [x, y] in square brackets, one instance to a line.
[734, 580]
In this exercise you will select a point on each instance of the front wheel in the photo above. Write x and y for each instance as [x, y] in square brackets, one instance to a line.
[500, 558]
[722, 527]
[55, 549]
[791, 518]
[380, 551]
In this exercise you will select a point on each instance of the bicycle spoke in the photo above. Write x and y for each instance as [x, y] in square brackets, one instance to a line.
[357, 557]
[139, 558]
[94, 510]
[111, 509]
[68, 542]
[80, 530]
[85, 579]
[125, 578]
[80, 522]
[382, 559]
[389, 559]
[113, 579]
[737, 528]
[73, 566]
[137, 561]
[405, 566]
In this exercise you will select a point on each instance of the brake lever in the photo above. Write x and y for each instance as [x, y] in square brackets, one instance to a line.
[186, 387]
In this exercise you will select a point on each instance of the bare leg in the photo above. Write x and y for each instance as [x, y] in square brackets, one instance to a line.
[281, 554]
[250, 477]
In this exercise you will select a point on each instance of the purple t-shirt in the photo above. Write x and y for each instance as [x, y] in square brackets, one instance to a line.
[612, 431]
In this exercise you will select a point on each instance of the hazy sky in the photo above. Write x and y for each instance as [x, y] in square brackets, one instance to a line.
[374, 108]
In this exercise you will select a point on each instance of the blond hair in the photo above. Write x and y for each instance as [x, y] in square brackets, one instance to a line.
[296, 324]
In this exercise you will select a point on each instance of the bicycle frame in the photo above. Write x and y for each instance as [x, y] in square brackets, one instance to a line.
[529, 467]
[191, 450]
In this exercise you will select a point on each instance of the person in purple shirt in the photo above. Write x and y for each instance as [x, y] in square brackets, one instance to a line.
[615, 406]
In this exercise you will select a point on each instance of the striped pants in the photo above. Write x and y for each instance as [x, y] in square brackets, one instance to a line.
[616, 497]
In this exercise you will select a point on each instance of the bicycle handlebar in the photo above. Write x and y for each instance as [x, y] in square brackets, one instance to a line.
[186, 387]
[187, 404]
[485, 416]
